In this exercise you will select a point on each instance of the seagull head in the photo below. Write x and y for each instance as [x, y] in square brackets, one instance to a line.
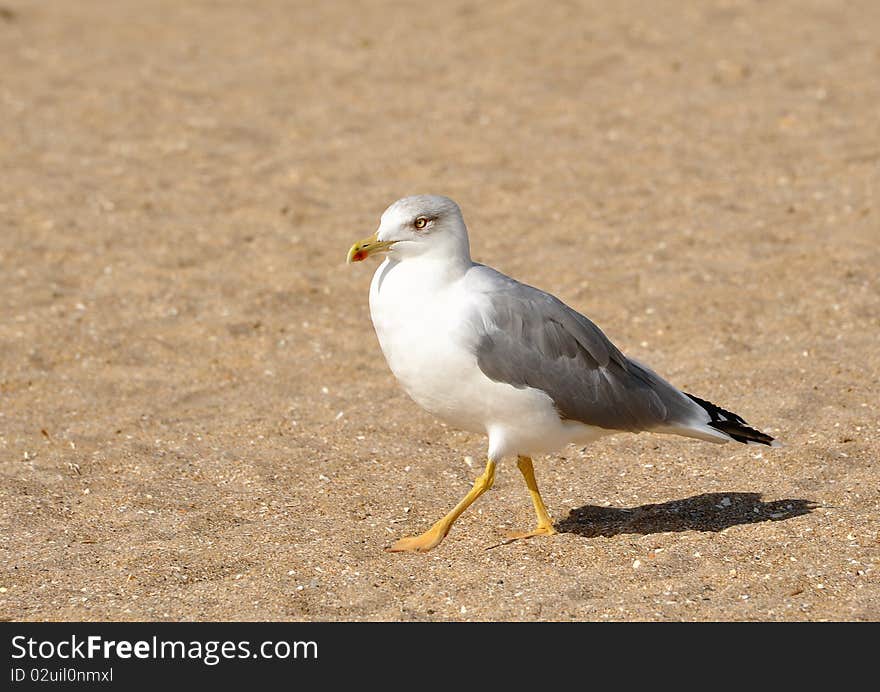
[418, 226]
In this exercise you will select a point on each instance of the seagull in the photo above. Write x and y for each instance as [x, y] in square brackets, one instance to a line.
[488, 354]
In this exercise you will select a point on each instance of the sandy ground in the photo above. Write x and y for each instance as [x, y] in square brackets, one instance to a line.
[196, 421]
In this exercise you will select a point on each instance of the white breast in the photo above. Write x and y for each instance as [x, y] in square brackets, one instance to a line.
[414, 314]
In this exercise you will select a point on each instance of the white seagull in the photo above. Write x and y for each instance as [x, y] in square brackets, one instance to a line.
[488, 354]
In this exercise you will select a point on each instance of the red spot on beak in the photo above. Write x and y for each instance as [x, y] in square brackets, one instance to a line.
[359, 256]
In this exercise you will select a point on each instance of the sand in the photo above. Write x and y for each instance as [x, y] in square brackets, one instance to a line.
[196, 421]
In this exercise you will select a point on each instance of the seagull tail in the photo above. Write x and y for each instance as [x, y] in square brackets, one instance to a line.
[731, 425]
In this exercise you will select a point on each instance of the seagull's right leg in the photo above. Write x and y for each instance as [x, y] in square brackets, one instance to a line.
[545, 523]
[432, 537]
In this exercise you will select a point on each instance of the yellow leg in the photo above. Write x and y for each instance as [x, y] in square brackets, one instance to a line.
[545, 523]
[432, 537]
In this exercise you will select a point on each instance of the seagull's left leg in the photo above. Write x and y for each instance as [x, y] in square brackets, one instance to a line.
[432, 537]
[545, 523]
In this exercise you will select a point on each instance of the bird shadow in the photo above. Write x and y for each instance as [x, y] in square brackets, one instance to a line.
[706, 512]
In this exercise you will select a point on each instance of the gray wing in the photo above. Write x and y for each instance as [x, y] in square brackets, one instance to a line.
[528, 338]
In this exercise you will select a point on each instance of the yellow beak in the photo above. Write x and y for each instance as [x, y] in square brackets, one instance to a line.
[366, 247]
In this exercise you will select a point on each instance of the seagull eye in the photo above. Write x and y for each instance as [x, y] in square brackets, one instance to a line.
[420, 222]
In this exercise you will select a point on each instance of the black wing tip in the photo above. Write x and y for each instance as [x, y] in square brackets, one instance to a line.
[744, 434]
[733, 425]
